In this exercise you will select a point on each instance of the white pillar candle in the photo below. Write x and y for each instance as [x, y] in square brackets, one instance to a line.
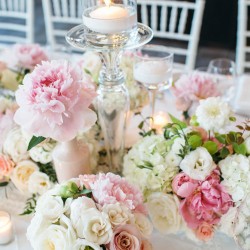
[6, 230]
[152, 72]
[109, 19]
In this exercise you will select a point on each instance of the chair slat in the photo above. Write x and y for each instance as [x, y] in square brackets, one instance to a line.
[173, 19]
[13, 26]
[10, 5]
[12, 39]
[16, 5]
[144, 14]
[56, 7]
[22, 5]
[79, 8]
[164, 18]
[3, 5]
[183, 21]
[65, 11]
[13, 14]
[72, 8]
[154, 17]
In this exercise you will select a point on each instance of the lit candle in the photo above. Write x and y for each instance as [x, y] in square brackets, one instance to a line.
[6, 230]
[109, 19]
[160, 120]
[152, 72]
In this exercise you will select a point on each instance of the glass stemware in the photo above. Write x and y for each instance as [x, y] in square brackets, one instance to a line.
[153, 69]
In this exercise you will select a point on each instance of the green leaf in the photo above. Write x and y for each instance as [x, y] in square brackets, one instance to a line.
[195, 141]
[177, 121]
[224, 152]
[3, 184]
[240, 148]
[232, 119]
[211, 147]
[87, 72]
[140, 126]
[86, 191]
[30, 205]
[221, 138]
[48, 170]
[35, 141]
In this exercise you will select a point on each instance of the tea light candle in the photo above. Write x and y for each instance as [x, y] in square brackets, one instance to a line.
[109, 19]
[160, 120]
[6, 230]
[151, 72]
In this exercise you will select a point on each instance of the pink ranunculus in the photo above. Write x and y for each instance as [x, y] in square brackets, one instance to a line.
[183, 185]
[29, 55]
[111, 188]
[53, 101]
[6, 166]
[204, 232]
[126, 237]
[207, 203]
[192, 88]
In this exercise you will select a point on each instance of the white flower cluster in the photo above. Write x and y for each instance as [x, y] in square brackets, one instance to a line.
[236, 175]
[148, 165]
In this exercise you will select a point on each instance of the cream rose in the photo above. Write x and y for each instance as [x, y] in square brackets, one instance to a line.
[117, 213]
[95, 227]
[15, 145]
[39, 183]
[82, 244]
[143, 224]
[50, 207]
[198, 164]
[21, 174]
[164, 212]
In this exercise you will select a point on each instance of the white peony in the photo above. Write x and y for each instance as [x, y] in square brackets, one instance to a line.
[213, 114]
[57, 237]
[50, 207]
[198, 164]
[164, 212]
[143, 224]
[39, 183]
[15, 145]
[95, 227]
[117, 213]
[235, 171]
[21, 174]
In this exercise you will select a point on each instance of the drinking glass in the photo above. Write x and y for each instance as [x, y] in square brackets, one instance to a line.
[225, 75]
[153, 68]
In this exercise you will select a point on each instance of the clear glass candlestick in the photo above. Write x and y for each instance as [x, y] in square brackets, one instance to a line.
[109, 27]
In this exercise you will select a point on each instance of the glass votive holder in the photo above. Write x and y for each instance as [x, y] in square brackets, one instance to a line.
[6, 228]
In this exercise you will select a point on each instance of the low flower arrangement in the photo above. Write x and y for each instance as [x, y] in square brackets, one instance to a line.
[91, 212]
[194, 178]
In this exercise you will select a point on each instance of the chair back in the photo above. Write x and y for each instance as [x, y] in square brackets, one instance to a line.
[179, 21]
[16, 21]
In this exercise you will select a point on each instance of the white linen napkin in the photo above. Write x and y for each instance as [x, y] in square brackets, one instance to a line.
[242, 97]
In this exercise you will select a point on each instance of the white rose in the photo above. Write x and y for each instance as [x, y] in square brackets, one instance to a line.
[43, 152]
[235, 171]
[15, 145]
[143, 224]
[81, 244]
[50, 207]
[21, 174]
[35, 228]
[198, 164]
[117, 213]
[213, 114]
[164, 212]
[247, 144]
[95, 227]
[39, 183]
[57, 237]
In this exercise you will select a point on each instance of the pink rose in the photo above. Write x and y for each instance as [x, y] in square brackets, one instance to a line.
[183, 185]
[29, 55]
[111, 188]
[204, 232]
[53, 101]
[6, 166]
[126, 237]
[146, 245]
[207, 203]
[192, 88]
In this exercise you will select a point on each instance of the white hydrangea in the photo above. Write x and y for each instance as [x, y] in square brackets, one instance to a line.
[236, 175]
[213, 114]
[146, 166]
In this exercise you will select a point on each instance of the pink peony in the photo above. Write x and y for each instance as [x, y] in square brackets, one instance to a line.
[204, 232]
[53, 101]
[207, 203]
[29, 55]
[183, 185]
[192, 88]
[126, 237]
[87, 180]
[6, 166]
[111, 188]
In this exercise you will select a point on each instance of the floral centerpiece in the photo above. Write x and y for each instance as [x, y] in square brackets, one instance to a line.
[194, 177]
[190, 88]
[91, 212]
[91, 63]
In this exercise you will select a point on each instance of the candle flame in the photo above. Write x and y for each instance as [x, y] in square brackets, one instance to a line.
[107, 2]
